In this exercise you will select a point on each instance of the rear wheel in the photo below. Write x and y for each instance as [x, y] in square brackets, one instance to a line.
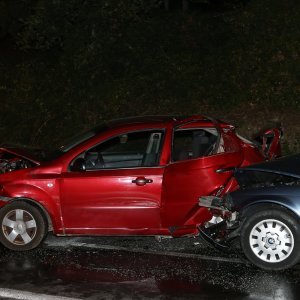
[23, 227]
[270, 238]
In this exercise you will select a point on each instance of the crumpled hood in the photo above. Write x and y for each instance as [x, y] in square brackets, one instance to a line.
[31, 154]
[287, 165]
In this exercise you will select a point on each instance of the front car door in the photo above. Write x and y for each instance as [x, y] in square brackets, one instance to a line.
[120, 191]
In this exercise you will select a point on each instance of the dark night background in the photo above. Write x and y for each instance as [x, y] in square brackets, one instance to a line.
[68, 65]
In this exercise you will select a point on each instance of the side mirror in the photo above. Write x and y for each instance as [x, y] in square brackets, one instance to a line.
[78, 165]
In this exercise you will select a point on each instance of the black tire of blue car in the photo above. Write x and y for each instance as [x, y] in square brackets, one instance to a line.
[270, 238]
[23, 226]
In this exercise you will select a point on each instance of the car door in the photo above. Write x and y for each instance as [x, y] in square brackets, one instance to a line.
[120, 190]
[196, 170]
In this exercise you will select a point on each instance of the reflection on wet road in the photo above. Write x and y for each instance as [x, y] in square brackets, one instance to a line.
[88, 273]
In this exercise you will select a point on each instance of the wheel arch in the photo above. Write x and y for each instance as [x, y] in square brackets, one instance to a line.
[250, 208]
[39, 206]
[47, 201]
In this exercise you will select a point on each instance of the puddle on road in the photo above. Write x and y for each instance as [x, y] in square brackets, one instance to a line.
[103, 274]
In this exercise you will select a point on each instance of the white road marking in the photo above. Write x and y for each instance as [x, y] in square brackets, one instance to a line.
[73, 243]
[23, 295]
[165, 253]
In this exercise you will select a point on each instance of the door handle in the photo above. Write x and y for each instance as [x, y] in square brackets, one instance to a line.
[141, 181]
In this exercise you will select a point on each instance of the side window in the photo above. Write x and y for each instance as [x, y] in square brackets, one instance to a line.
[130, 150]
[193, 143]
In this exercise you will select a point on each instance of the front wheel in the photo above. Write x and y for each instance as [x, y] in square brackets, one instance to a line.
[23, 227]
[270, 238]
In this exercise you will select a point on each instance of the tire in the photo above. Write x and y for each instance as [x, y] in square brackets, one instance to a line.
[270, 238]
[23, 226]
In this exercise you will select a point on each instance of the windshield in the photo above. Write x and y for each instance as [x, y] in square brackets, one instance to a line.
[45, 155]
[81, 137]
[72, 142]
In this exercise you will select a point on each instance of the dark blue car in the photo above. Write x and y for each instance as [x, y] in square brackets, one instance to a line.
[264, 213]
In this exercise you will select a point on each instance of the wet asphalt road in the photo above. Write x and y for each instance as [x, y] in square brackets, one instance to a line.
[137, 268]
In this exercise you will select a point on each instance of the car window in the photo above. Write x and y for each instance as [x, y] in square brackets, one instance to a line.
[193, 143]
[130, 150]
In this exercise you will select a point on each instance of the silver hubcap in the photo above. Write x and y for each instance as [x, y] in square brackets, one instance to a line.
[19, 227]
[271, 241]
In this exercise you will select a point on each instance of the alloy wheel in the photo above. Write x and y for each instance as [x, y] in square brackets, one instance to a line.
[19, 227]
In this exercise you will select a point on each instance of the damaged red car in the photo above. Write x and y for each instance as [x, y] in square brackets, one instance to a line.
[134, 176]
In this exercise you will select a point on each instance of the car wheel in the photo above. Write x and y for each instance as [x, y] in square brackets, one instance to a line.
[270, 238]
[23, 227]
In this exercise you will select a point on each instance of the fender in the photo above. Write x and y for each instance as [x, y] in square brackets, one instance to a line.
[285, 196]
[40, 196]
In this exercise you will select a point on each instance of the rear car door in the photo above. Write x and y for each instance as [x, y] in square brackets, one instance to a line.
[196, 169]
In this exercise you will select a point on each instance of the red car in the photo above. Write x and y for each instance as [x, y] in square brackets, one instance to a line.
[134, 176]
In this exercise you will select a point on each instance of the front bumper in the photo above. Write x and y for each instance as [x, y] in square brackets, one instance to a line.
[216, 203]
[210, 235]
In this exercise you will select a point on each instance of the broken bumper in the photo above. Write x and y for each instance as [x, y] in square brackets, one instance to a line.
[210, 235]
[224, 227]
[216, 203]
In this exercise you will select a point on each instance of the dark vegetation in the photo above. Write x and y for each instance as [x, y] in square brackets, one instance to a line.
[68, 65]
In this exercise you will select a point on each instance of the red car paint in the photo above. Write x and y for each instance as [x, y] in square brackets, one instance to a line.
[156, 198]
